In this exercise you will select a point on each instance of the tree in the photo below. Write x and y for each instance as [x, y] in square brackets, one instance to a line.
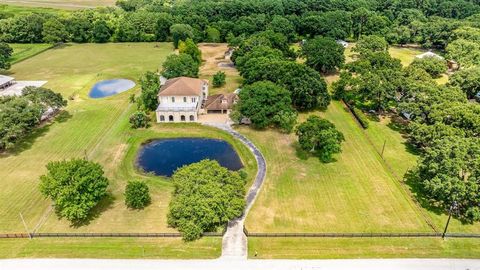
[219, 79]
[150, 84]
[180, 65]
[449, 172]
[189, 47]
[371, 44]
[432, 65]
[282, 25]
[137, 195]
[205, 197]
[308, 90]
[79, 27]
[75, 187]
[262, 101]
[139, 119]
[101, 32]
[54, 31]
[5, 54]
[180, 32]
[212, 35]
[164, 22]
[465, 52]
[468, 80]
[320, 136]
[323, 54]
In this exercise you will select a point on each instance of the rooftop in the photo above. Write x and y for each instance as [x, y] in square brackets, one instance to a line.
[182, 86]
[220, 101]
[429, 54]
[5, 79]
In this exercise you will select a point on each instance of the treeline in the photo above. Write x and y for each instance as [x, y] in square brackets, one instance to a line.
[444, 125]
[430, 23]
[19, 115]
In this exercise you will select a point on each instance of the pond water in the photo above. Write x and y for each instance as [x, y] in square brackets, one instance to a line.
[164, 156]
[110, 87]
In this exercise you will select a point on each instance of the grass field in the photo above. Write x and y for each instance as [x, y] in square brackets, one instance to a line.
[25, 51]
[353, 194]
[128, 248]
[330, 248]
[6, 7]
[61, 4]
[212, 55]
[99, 130]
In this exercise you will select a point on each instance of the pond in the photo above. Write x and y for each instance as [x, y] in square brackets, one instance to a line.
[110, 87]
[164, 156]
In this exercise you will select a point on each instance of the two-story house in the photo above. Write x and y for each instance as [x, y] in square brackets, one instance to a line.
[180, 99]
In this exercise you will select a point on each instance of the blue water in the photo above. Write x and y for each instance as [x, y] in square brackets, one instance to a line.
[110, 87]
[164, 156]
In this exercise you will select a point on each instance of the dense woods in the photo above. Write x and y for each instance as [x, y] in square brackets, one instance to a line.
[431, 23]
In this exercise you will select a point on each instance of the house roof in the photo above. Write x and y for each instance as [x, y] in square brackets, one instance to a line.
[429, 54]
[5, 79]
[182, 86]
[220, 101]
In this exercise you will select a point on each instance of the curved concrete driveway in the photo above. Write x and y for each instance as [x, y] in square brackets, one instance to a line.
[234, 243]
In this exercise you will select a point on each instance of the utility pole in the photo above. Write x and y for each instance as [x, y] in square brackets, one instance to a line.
[453, 207]
[25, 225]
[383, 148]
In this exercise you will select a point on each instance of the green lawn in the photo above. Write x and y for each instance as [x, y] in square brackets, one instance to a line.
[96, 128]
[353, 194]
[25, 51]
[13, 8]
[59, 4]
[115, 248]
[331, 248]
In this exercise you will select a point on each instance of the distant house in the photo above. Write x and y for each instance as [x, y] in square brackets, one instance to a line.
[220, 103]
[181, 99]
[477, 97]
[342, 42]
[429, 54]
[11, 87]
[6, 81]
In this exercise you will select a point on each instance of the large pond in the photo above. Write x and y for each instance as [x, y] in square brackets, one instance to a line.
[164, 156]
[110, 87]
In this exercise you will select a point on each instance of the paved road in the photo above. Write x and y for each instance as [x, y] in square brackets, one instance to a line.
[234, 243]
[231, 264]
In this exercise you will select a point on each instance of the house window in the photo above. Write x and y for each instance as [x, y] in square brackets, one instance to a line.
[162, 118]
[193, 100]
[182, 118]
[173, 99]
[192, 118]
[170, 118]
[185, 99]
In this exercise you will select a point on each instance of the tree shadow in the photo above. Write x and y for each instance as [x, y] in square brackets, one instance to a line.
[299, 152]
[416, 189]
[26, 142]
[102, 206]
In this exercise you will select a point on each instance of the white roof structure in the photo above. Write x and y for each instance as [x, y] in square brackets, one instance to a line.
[5, 79]
[342, 42]
[429, 54]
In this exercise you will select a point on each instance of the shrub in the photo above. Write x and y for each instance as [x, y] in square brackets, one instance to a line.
[137, 195]
[361, 117]
[139, 119]
[75, 187]
[219, 79]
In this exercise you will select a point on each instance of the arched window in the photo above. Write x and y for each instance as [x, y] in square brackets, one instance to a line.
[192, 118]
[170, 118]
[162, 118]
[182, 118]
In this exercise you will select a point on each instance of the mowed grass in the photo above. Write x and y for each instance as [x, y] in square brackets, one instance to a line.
[341, 248]
[353, 194]
[8, 8]
[25, 51]
[61, 4]
[126, 248]
[79, 131]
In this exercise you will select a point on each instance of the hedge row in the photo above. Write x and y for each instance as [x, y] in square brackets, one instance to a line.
[361, 117]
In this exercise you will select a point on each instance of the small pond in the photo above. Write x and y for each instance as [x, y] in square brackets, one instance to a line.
[110, 87]
[164, 156]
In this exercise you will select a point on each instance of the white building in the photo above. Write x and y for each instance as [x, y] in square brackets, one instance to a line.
[429, 54]
[11, 87]
[181, 99]
[6, 81]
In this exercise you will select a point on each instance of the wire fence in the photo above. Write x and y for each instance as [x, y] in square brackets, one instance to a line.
[103, 235]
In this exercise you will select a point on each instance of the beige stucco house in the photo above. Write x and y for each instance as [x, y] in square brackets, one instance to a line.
[181, 99]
